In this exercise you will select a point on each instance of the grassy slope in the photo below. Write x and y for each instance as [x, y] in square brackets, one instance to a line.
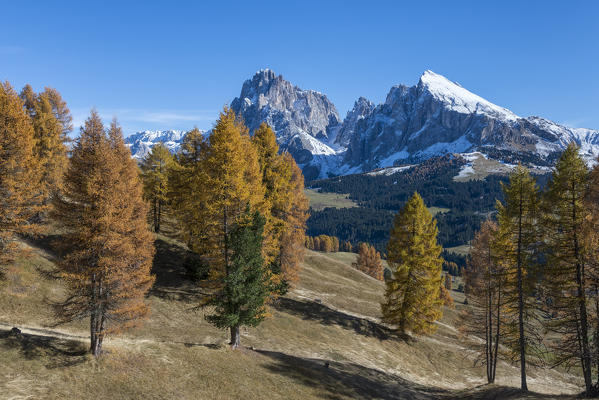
[483, 167]
[320, 201]
[331, 317]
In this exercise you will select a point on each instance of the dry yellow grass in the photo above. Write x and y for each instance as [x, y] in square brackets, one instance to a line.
[324, 340]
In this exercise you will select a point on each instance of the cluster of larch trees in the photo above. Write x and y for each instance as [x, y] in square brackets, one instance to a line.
[241, 207]
[94, 196]
[533, 276]
[33, 157]
[326, 243]
[239, 203]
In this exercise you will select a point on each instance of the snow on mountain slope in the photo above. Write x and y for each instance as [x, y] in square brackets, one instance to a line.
[305, 122]
[456, 98]
[140, 143]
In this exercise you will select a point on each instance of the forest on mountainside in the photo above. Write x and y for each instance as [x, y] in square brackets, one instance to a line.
[380, 196]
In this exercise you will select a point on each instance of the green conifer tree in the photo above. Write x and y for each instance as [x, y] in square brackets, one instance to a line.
[242, 297]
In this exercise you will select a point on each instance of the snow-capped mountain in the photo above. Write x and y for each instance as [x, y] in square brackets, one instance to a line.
[140, 143]
[432, 118]
[438, 116]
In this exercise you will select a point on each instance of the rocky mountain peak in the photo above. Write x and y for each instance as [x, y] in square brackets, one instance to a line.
[304, 121]
[361, 109]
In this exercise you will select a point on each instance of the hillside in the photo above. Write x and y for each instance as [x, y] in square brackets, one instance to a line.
[323, 340]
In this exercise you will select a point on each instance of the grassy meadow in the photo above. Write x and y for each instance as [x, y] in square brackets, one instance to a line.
[322, 340]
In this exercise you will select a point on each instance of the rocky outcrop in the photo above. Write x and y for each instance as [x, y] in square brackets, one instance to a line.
[362, 109]
[288, 109]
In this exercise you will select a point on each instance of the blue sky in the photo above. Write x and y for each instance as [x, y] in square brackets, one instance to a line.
[159, 65]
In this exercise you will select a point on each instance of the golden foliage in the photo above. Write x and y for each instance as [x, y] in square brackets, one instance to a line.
[108, 246]
[20, 172]
[369, 261]
[155, 169]
[215, 182]
[286, 204]
[50, 147]
[412, 300]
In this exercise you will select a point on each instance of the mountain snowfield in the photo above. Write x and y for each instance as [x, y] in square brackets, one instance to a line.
[432, 118]
[140, 143]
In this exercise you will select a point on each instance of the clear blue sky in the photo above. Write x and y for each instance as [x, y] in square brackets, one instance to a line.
[159, 65]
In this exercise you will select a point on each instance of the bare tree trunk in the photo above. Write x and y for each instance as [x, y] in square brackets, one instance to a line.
[522, 339]
[92, 316]
[156, 223]
[497, 334]
[159, 218]
[235, 337]
[489, 333]
[584, 326]
[99, 321]
[100, 339]
[597, 330]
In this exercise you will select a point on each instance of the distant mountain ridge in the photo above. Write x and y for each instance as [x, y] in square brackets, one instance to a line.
[140, 143]
[432, 118]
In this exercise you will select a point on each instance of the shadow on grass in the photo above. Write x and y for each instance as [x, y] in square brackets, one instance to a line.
[336, 380]
[172, 279]
[495, 392]
[54, 352]
[310, 310]
[51, 243]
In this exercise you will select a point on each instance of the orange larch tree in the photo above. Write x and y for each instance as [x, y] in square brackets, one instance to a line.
[20, 172]
[107, 242]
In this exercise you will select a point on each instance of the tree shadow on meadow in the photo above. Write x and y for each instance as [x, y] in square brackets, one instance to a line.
[337, 380]
[52, 351]
[173, 281]
[314, 311]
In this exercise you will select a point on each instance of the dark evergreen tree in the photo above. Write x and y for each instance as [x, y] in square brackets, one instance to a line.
[242, 298]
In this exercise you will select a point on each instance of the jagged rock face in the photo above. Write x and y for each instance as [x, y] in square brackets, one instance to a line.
[140, 143]
[362, 109]
[288, 109]
[303, 120]
[438, 116]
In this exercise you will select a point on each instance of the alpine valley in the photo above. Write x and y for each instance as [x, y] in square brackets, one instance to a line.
[430, 119]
